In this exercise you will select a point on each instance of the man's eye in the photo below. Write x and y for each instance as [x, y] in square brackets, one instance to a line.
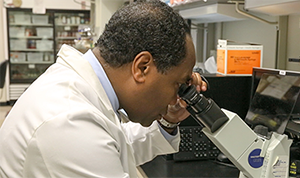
[188, 82]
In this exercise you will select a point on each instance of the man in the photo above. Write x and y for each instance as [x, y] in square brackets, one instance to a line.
[67, 123]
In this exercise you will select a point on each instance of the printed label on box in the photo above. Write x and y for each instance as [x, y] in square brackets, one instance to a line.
[242, 61]
[238, 59]
[221, 61]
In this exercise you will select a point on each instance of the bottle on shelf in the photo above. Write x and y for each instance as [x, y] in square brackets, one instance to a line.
[31, 44]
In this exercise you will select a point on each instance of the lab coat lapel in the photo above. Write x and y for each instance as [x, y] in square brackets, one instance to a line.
[74, 59]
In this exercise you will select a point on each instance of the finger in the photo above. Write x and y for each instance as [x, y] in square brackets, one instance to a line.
[196, 79]
[198, 82]
[198, 88]
[203, 86]
[182, 103]
[176, 106]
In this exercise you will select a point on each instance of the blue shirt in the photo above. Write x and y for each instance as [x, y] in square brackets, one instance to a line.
[109, 90]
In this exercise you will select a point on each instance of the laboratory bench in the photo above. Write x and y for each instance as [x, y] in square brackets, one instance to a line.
[162, 167]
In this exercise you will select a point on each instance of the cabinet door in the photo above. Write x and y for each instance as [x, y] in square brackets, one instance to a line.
[31, 44]
[70, 27]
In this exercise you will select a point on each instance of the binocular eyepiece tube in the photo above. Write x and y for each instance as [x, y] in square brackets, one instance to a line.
[202, 109]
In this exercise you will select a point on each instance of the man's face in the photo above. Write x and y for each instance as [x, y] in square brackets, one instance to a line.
[161, 89]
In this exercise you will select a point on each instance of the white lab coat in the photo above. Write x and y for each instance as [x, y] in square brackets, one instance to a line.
[65, 126]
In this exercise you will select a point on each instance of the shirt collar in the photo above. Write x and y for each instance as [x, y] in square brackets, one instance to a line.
[110, 92]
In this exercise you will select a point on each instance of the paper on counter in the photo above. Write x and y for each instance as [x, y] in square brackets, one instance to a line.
[210, 65]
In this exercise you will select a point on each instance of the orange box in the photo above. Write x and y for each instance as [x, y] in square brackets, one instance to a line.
[238, 59]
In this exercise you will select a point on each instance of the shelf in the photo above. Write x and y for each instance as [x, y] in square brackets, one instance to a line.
[30, 24]
[31, 37]
[33, 50]
[196, 3]
[273, 7]
[73, 25]
[46, 62]
[34, 38]
[66, 38]
[209, 11]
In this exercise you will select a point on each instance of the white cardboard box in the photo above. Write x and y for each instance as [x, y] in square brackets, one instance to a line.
[237, 59]
[17, 57]
[35, 57]
[40, 19]
[19, 44]
[22, 18]
[44, 44]
[44, 32]
[17, 31]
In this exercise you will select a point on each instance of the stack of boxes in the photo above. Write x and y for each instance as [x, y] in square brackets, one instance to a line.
[237, 59]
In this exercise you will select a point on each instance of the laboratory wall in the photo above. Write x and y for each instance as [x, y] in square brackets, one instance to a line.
[104, 9]
[254, 31]
[293, 38]
[3, 53]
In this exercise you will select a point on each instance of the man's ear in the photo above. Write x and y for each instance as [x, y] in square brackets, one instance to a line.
[141, 66]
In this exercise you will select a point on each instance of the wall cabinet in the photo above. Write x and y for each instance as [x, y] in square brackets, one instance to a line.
[35, 39]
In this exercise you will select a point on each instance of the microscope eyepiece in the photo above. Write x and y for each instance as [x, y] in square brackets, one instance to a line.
[188, 94]
[202, 109]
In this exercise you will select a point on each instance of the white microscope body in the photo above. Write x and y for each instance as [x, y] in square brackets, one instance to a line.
[254, 155]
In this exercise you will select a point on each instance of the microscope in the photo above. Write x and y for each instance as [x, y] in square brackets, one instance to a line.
[256, 153]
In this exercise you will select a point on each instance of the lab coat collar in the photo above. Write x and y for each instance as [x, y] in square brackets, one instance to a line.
[99, 71]
[73, 58]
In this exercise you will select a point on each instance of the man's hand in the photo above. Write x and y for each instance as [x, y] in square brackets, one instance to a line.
[177, 113]
[198, 82]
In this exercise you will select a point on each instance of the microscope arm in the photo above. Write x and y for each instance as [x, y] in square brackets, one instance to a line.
[252, 154]
[255, 156]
